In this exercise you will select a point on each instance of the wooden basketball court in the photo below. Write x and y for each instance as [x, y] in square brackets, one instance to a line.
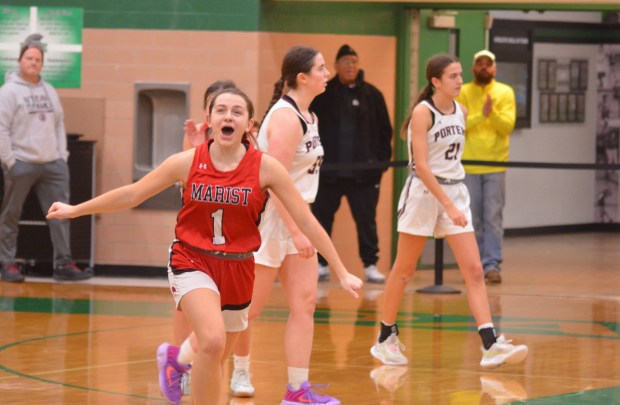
[91, 343]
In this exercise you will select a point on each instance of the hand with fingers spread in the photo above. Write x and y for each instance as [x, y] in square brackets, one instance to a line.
[193, 133]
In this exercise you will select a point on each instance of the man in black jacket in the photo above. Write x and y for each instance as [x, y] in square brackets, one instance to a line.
[355, 128]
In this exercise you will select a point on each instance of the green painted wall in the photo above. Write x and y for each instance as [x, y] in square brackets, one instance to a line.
[213, 15]
[266, 15]
[233, 15]
[471, 38]
[330, 18]
[470, 25]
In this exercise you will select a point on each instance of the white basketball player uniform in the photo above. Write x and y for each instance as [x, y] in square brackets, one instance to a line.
[419, 212]
[304, 171]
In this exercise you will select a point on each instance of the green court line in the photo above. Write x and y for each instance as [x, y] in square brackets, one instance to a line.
[86, 306]
[79, 387]
[323, 315]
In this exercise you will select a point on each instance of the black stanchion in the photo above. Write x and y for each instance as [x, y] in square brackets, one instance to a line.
[438, 288]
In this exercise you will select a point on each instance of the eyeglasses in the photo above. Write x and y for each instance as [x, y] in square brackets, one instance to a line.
[348, 62]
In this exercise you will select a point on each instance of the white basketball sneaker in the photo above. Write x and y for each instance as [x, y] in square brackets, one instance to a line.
[240, 384]
[373, 275]
[390, 352]
[503, 352]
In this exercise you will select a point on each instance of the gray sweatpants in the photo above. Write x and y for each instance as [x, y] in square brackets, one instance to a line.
[51, 183]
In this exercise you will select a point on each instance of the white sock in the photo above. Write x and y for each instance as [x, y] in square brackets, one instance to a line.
[186, 353]
[485, 325]
[296, 376]
[241, 362]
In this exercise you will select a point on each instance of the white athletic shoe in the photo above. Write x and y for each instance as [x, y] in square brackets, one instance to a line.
[502, 352]
[373, 275]
[323, 273]
[240, 384]
[390, 352]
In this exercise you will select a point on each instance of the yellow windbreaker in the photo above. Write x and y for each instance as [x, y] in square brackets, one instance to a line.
[488, 138]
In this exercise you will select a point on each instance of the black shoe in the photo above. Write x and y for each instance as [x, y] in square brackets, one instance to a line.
[12, 273]
[71, 272]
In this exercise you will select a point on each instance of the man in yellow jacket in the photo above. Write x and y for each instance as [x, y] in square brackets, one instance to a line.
[490, 120]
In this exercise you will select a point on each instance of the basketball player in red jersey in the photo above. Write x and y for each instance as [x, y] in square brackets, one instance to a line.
[195, 135]
[211, 263]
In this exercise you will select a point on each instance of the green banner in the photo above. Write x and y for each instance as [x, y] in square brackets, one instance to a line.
[62, 38]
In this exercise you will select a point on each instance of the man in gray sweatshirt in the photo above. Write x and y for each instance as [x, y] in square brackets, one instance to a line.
[33, 153]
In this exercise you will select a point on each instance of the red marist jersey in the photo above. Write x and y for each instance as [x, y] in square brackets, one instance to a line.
[221, 210]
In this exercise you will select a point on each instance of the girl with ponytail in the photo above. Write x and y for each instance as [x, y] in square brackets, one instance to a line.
[435, 203]
[289, 133]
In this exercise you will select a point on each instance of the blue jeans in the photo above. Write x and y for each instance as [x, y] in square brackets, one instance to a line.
[488, 195]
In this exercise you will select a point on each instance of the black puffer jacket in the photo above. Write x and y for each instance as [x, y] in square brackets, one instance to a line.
[374, 142]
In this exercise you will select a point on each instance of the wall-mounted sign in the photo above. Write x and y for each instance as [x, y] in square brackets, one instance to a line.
[562, 85]
[62, 37]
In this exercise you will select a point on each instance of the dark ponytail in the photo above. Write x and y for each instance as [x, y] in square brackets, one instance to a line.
[277, 93]
[434, 69]
[298, 59]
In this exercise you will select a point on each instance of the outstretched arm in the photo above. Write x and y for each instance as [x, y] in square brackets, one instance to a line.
[274, 176]
[172, 170]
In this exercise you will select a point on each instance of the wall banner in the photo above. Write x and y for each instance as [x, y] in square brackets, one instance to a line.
[62, 38]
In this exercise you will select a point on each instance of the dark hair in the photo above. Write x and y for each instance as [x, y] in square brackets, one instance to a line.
[250, 107]
[298, 59]
[435, 68]
[32, 41]
[345, 50]
[215, 86]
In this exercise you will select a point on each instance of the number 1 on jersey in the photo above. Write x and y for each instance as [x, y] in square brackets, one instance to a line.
[218, 237]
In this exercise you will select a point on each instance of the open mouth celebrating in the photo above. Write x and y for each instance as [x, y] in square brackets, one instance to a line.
[228, 131]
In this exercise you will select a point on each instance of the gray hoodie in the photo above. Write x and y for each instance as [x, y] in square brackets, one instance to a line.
[32, 125]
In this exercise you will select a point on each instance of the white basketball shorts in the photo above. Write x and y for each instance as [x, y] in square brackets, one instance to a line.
[419, 212]
[276, 239]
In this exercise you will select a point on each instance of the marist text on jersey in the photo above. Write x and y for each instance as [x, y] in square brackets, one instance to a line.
[221, 194]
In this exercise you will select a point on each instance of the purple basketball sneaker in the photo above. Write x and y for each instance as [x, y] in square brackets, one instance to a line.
[305, 395]
[170, 372]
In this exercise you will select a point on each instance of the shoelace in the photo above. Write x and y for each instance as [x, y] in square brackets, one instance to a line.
[243, 377]
[315, 395]
[503, 341]
[398, 344]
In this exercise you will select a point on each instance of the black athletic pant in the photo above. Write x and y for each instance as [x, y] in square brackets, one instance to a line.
[363, 199]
